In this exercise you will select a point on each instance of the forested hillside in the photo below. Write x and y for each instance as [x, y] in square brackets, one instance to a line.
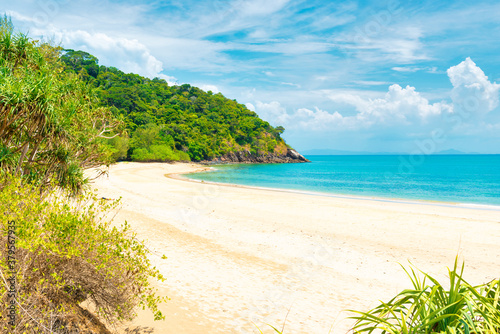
[165, 122]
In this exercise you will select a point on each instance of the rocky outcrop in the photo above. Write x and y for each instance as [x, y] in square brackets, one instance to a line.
[291, 156]
[296, 155]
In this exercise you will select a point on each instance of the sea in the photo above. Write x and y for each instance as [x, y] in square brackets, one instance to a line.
[453, 179]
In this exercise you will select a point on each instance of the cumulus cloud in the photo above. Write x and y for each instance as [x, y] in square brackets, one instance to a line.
[317, 118]
[273, 112]
[399, 106]
[129, 55]
[172, 81]
[214, 89]
[472, 91]
[250, 106]
[302, 118]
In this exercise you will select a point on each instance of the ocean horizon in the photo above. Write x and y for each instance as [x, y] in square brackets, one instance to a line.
[460, 179]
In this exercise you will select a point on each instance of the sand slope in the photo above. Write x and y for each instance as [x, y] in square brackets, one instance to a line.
[238, 255]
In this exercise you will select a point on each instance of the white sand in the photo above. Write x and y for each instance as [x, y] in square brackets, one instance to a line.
[238, 255]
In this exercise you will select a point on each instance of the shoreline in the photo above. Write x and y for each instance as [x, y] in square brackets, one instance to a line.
[474, 206]
[237, 255]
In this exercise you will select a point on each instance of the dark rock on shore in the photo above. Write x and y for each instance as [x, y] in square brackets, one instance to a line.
[291, 156]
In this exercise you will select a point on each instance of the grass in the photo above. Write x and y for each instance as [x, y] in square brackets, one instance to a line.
[434, 308]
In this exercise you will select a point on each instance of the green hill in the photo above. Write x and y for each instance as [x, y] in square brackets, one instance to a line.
[165, 123]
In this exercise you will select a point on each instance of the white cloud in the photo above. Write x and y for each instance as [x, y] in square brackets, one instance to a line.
[20, 17]
[259, 34]
[370, 82]
[398, 107]
[400, 45]
[299, 46]
[172, 81]
[317, 119]
[207, 88]
[194, 55]
[472, 91]
[412, 69]
[250, 106]
[129, 55]
[290, 84]
[259, 7]
[401, 114]
[404, 103]
[273, 112]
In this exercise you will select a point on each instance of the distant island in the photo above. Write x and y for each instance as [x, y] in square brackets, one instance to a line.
[340, 152]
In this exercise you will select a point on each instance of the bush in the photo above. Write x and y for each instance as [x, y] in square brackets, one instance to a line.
[67, 253]
[159, 153]
[118, 147]
[461, 308]
[51, 125]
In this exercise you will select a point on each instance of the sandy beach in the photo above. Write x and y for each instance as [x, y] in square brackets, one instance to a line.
[239, 256]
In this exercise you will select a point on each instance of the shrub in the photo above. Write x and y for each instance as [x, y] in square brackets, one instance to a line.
[67, 252]
[51, 123]
[118, 147]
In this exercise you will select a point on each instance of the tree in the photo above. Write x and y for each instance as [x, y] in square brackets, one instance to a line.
[279, 130]
[52, 126]
[50, 123]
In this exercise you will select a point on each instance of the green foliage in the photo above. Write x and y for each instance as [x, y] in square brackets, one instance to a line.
[152, 143]
[50, 122]
[52, 127]
[81, 62]
[202, 124]
[118, 147]
[66, 253]
[434, 308]
[6, 26]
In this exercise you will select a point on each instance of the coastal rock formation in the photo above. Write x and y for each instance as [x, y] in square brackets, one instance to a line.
[291, 156]
[295, 155]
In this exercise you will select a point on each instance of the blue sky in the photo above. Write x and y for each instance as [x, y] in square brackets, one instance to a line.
[392, 76]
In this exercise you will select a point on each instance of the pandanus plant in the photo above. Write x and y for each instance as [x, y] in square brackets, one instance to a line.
[425, 308]
[50, 122]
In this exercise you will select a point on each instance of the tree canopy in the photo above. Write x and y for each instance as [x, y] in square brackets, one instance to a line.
[173, 122]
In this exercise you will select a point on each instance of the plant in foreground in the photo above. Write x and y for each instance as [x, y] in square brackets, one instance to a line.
[433, 308]
[66, 252]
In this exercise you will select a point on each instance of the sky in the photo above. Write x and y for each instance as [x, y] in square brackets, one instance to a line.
[374, 76]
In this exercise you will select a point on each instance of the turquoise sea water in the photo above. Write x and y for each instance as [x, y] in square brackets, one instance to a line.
[469, 179]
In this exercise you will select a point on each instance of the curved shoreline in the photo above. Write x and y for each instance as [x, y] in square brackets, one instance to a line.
[238, 255]
[472, 206]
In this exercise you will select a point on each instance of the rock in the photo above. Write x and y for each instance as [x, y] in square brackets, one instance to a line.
[291, 156]
[296, 155]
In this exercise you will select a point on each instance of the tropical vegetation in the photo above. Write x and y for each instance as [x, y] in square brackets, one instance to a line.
[57, 246]
[166, 122]
[456, 307]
